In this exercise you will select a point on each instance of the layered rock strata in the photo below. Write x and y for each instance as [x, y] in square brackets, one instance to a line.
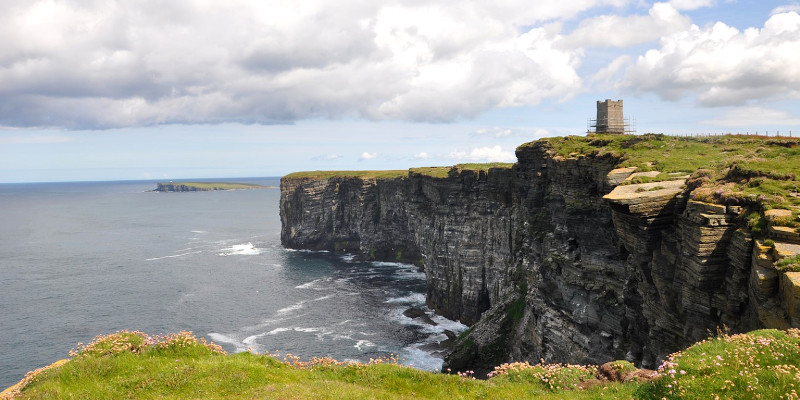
[554, 258]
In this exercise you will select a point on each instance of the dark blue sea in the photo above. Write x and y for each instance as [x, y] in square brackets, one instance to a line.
[88, 258]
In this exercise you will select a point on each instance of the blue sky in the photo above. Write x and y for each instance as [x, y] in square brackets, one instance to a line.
[93, 90]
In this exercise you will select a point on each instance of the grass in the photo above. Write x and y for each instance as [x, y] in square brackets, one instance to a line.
[444, 172]
[791, 264]
[759, 365]
[180, 366]
[388, 174]
[436, 172]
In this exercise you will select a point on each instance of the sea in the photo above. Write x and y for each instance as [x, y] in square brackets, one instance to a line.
[82, 259]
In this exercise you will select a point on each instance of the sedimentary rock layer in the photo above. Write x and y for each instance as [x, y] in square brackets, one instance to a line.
[551, 259]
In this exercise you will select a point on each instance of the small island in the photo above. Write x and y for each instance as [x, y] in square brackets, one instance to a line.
[205, 186]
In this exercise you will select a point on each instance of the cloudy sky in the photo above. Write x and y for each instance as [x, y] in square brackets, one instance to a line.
[104, 90]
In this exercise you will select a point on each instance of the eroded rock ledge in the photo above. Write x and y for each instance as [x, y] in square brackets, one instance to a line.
[553, 259]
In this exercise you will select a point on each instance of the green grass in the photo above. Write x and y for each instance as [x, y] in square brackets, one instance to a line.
[444, 172]
[388, 174]
[133, 365]
[436, 172]
[790, 264]
[759, 365]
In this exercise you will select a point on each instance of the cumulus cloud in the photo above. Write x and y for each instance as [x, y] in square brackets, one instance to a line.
[484, 154]
[721, 65]
[421, 156]
[367, 156]
[625, 31]
[691, 4]
[89, 64]
[786, 8]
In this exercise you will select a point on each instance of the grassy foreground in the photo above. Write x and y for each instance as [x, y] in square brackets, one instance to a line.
[762, 364]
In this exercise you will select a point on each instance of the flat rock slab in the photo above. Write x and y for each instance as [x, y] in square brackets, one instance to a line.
[785, 234]
[617, 176]
[787, 249]
[643, 192]
[774, 214]
[648, 174]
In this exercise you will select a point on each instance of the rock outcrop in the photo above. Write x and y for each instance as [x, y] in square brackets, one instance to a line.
[553, 259]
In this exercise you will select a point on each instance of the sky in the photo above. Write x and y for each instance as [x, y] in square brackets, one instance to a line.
[129, 90]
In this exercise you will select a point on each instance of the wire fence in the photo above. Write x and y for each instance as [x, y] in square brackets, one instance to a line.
[765, 133]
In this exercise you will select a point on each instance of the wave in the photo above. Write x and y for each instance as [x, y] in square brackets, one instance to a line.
[363, 343]
[220, 338]
[173, 256]
[309, 285]
[246, 249]
[293, 307]
[411, 299]
[418, 358]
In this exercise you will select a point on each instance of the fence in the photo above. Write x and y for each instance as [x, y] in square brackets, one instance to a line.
[756, 133]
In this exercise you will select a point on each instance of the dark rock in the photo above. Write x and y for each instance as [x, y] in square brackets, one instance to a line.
[418, 314]
[540, 265]
[413, 312]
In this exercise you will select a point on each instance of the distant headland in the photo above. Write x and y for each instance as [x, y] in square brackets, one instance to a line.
[205, 186]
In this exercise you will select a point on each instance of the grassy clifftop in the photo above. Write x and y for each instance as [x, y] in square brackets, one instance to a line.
[763, 364]
[436, 172]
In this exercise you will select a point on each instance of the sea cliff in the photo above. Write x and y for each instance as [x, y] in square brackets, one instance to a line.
[575, 255]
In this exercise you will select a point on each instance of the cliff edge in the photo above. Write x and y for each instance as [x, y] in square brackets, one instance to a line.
[588, 249]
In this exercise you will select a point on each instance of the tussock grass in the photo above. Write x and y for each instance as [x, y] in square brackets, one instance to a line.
[126, 365]
[763, 364]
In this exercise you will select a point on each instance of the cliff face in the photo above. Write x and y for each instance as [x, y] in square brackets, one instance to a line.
[552, 259]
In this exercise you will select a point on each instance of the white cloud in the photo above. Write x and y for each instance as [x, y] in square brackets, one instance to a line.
[496, 132]
[421, 156]
[625, 31]
[115, 64]
[691, 4]
[787, 8]
[608, 73]
[484, 154]
[753, 117]
[367, 156]
[722, 65]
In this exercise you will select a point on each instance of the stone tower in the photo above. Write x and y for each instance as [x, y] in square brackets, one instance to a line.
[609, 117]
